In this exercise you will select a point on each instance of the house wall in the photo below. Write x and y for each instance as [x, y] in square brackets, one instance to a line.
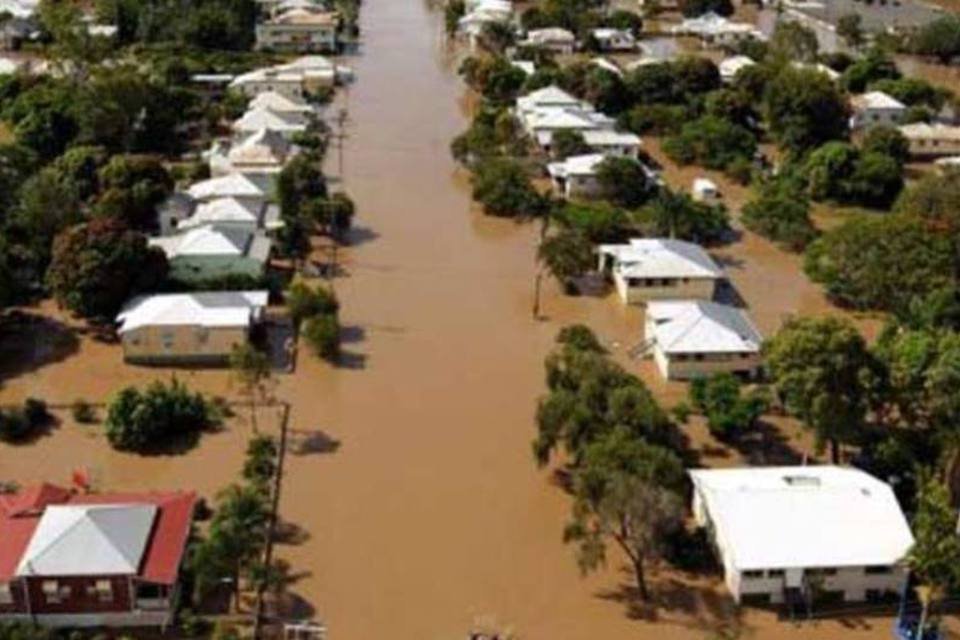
[18, 595]
[181, 344]
[674, 369]
[876, 117]
[616, 150]
[196, 269]
[582, 187]
[299, 38]
[79, 595]
[287, 88]
[933, 148]
[664, 289]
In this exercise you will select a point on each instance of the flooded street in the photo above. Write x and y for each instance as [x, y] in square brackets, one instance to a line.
[420, 506]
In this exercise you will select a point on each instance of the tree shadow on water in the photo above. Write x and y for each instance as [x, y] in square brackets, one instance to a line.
[29, 342]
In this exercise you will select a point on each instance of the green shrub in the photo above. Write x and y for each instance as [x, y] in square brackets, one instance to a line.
[304, 301]
[322, 333]
[159, 417]
[728, 412]
[83, 412]
[35, 411]
[14, 426]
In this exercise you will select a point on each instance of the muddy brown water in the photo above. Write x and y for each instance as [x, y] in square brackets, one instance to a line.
[421, 505]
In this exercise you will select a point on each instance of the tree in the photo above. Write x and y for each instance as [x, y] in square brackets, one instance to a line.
[803, 109]
[728, 412]
[132, 188]
[157, 418]
[567, 255]
[822, 370]
[452, 12]
[503, 187]
[793, 42]
[939, 38]
[624, 182]
[304, 301]
[677, 215]
[880, 263]
[888, 141]
[782, 214]
[872, 67]
[935, 200]
[635, 514]
[934, 558]
[322, 333]
[48, 205]
[260, 463]
[98, 265]
[496, 36]
[712, 142]
[841, 172]
[252, 371]
[911, 91]
[850, 28]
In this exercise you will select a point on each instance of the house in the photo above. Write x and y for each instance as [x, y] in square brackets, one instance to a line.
[552, 39]
[317, 72]
[479, 13]
[577, 175]
[230, 212]
[207, 253]
[301, 30]
[234, 185]
[875, 108]
[259, 157]
[730, 67]
[716, 30]
[294, 109]
[705, 190]
[527, 66]
[614, 39]
[189, 327]
[612, 143]
[69, 559]
[693, 338]
[541, 125]
[781, 533]
[288, 83]
[932, 140]
[550, 97]
[950, 164]
[257, 119]
[658, 268]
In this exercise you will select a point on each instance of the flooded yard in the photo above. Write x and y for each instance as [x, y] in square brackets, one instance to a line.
[422, 508]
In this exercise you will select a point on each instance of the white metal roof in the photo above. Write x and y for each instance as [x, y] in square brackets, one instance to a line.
[552, 96]
[803, 517]
[661, 258]
[584, 165]
[730, 67]
[207, 309]
[259, 118]
[606, 65]
[699, 326]
[550, 34]
[265, 146]
[609, 137]
[234, 185]
[88, 540]
[926, 131]
[278, 103]
[877, 100]
[207, 241]
[222, 210]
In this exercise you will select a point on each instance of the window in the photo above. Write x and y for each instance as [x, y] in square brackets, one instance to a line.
[54, 593]
[753, 574]
[822, 571]
[6, 595]
[877, 570]
[104, 590]
[203, 335]
[166, 339]
[775, 573]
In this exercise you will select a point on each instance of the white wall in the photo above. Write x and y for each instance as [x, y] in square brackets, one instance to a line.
[692, 289]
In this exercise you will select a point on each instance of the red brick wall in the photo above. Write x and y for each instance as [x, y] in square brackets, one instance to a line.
[83, 597]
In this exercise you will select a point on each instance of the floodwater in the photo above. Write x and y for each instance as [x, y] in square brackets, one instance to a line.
[422, 509]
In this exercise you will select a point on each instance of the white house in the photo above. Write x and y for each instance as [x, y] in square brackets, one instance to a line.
[259, 157]
[715, 29]
[606, 65]
[932, 140]
[659, 268]
[527, 66]
[730, 67]
[230, 212]
[541, 125]
[188, 327]
[614, 39]
[551, 97]
[293, 80]
[482, 12]
[234, 185]
[552, 38]
[299, 29]
[612, 143]
[294, 108]
[693, 338]
[207, 253]
[258, 119]
[786, 532]
[705, 190]
[577, 175]
[817, 66]
[875, 108]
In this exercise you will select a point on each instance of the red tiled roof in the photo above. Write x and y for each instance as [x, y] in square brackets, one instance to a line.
[20, 513]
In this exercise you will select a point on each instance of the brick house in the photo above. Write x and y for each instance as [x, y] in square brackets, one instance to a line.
[83, 560]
